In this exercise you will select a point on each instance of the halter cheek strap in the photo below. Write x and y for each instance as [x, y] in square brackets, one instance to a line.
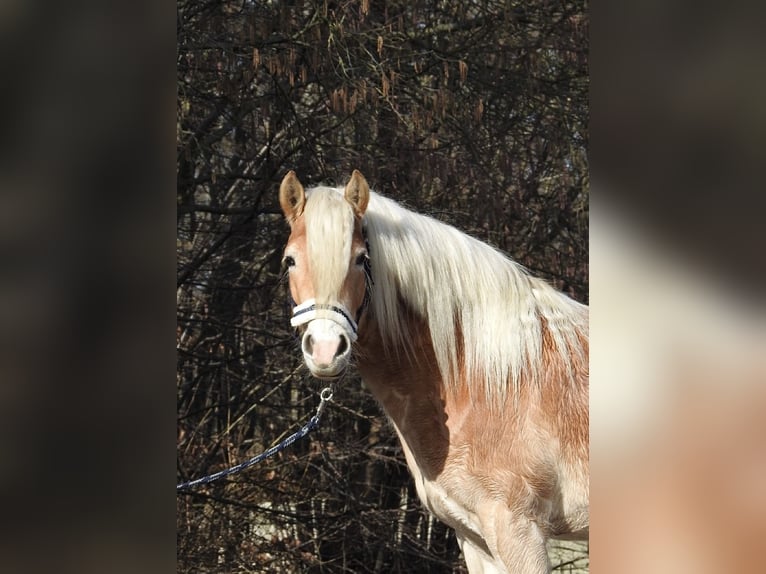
[310, 310]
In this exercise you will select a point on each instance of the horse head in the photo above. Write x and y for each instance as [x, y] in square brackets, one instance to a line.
[327, 264]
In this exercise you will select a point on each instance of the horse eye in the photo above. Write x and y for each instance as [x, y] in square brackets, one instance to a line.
[288, 261]
[361, 258]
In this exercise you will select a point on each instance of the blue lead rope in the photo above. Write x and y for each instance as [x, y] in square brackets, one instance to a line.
[325, 396]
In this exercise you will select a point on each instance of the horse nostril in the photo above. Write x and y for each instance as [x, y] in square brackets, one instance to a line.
[342, 346]
[308, 343]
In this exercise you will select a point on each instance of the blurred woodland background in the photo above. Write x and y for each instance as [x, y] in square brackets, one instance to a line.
[475, 112]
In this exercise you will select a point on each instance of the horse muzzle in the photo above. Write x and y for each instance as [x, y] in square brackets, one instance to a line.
[326, 348]
[326, 342]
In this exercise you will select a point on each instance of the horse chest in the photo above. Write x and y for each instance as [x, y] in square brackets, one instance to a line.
[438, 499]
[419, 417]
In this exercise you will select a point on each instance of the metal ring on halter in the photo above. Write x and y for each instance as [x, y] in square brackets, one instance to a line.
[326, 397]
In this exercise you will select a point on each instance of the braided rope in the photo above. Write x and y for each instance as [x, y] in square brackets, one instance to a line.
[325, 396]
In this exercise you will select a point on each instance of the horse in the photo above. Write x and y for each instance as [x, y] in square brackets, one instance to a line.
[481, 368]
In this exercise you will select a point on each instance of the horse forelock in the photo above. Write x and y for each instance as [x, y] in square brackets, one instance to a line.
[329, 222]
[486, 315]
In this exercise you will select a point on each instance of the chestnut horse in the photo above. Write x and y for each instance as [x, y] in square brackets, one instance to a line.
[481, 368]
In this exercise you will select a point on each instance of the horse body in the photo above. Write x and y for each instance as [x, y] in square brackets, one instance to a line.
[498, 475]
[481, 368]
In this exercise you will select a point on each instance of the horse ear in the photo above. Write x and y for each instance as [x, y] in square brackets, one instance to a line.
[292, 197]
[358, 192]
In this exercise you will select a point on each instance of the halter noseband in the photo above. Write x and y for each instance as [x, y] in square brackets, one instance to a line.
[310, 310]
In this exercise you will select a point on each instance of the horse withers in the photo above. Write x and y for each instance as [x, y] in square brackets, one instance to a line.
[481, 368]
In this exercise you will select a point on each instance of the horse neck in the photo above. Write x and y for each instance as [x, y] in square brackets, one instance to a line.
[408, 386]
[395, 370]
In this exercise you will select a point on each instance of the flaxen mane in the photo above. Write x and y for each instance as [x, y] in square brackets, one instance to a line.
[329, 222]
[459, 285]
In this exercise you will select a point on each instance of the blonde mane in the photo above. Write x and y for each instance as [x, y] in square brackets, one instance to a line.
[462, 288]
[329, 218]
